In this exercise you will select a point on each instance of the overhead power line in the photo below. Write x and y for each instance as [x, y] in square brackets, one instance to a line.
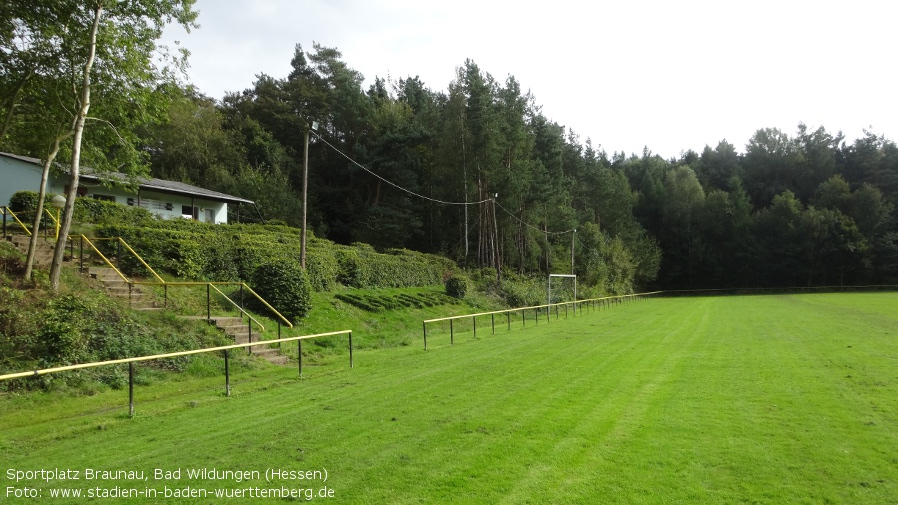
[530, 225]
[363, 167]
[435, 200]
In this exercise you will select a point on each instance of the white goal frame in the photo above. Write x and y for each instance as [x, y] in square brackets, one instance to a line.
[549, 290]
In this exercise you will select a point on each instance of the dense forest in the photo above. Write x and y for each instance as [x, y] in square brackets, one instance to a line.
[479, 174]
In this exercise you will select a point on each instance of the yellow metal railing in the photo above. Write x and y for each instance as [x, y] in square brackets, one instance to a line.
[225, 348]
[537, 309]
[105, 259]
[8, 211]
[212, 285]
[121, 241]
[162, 282]
[250, 317]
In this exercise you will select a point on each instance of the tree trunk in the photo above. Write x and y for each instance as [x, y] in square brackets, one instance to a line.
[42, 192]
[56, 266]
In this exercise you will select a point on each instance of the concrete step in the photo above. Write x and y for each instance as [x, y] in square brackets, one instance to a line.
[43, 255]
[236, 328]
[243, 338]
[279, 359]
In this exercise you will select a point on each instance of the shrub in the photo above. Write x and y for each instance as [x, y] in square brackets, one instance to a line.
[224, 253]
[457, 286]
[285, 286]
[23, 201]
[87, 210]
[350, 273]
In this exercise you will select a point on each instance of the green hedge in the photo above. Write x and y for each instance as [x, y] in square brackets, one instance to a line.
[87, 210]
[212, 252]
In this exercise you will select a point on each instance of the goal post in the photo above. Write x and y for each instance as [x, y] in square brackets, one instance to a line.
[565, 276]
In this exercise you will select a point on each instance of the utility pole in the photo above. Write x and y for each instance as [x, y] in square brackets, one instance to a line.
[573, 235]
[305, 188]
[497, 252]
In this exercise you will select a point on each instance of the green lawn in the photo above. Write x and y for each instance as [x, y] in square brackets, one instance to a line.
[755, 399]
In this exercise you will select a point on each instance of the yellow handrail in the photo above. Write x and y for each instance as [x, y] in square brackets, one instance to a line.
[238, 307]
[52, 216]
[142, 262]
[163, 282]
[91, 244]
[218, 283]
[45, 371]
[284, 319]
[14, 216]
[540, 306]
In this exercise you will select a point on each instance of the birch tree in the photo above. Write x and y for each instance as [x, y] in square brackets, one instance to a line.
[104, 49]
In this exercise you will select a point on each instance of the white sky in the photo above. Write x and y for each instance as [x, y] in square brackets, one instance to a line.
[670, 75]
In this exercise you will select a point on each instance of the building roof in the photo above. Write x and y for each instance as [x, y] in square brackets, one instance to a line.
[152, 184]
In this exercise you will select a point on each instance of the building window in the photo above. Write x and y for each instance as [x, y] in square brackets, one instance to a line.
[190, 212]
[105, 198]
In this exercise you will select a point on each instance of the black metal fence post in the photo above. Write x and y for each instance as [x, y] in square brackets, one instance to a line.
[350, 350]
[493, 322]
[209, 302]
[299, 355]
[249, 348]
[81, 256]
[131, 389]
[451, 333]
[474, 319]
[425, 335]
[227, 374]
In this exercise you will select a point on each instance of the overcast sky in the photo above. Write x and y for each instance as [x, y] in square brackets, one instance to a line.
[669, 75]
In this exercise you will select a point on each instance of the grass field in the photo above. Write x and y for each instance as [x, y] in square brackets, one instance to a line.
[755, 399]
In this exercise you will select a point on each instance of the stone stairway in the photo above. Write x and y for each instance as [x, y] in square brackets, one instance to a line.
[43, 256]
[232, 326]
[239, 331]
[116, 286]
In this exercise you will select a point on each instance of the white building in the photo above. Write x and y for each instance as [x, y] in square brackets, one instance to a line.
[167, 199]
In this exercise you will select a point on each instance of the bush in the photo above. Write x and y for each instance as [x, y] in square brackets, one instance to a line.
[226, 253]
[87, 210]
[523, 291]
[285, 286]
[457, 286]
[24, 201]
